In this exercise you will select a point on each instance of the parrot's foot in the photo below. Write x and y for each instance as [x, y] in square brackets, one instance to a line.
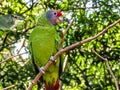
[42, 70]
[52, 59]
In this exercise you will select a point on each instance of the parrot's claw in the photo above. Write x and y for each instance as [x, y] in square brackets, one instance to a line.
[52, 59]
[42, 70]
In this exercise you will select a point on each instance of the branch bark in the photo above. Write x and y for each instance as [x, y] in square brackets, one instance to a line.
[67, 49]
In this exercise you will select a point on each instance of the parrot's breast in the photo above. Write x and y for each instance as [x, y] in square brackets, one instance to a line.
[43, 44]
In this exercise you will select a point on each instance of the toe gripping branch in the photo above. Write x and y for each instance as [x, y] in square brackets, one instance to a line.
[42, 70]
[52, 59]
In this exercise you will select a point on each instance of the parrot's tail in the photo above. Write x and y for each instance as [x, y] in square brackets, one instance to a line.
[52, 87]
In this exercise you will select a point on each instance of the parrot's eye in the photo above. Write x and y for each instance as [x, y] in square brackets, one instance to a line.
[55, 13]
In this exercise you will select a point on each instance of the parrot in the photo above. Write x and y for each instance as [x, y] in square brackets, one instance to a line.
[44, 42]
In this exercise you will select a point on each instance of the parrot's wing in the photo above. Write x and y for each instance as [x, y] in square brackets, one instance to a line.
[57, 42]
[31, 50]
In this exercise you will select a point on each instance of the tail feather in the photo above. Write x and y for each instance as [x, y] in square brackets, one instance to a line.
[52, 87]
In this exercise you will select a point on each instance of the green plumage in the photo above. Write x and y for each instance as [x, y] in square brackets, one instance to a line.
[44, 43]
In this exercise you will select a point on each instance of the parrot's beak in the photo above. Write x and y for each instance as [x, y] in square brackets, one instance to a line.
[59, 20]
[59, 17]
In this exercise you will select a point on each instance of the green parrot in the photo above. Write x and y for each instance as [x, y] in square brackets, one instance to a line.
[44, 42]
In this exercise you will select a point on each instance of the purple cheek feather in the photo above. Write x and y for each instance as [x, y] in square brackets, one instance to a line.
[53, 21]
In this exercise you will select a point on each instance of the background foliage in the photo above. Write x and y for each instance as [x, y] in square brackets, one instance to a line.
[84, 71]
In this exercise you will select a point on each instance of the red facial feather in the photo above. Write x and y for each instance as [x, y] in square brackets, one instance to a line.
[58, 13]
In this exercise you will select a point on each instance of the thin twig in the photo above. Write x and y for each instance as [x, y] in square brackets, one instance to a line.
[28, 29]
[67, 49]
[12, 57]
[9, 87]
[68, 26]
[30, 8]
[110, 70]
[23, 44]
[64, 32]
[65, 63]
[4, 41]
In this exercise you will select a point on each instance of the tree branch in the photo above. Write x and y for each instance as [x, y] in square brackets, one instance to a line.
[12, 57]
[110, 70]
[67, 49]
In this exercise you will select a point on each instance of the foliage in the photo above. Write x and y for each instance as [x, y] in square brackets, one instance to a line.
[84, 71]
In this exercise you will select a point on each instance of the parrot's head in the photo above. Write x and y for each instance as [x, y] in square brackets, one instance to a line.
[54, 16]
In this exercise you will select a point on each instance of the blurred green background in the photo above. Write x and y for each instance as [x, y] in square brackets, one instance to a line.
[84, 70]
